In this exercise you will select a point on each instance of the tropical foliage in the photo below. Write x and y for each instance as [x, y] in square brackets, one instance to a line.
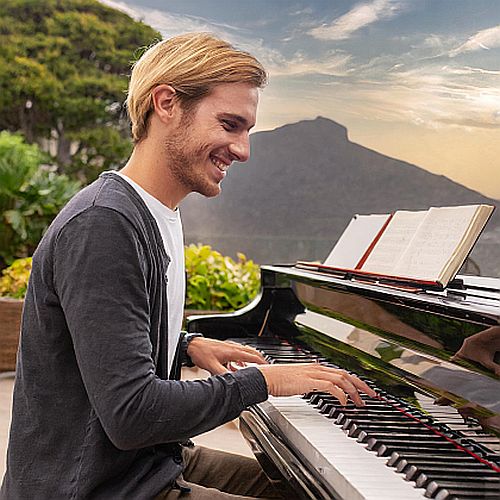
[63, 77]
[31, 194]
[216, 282]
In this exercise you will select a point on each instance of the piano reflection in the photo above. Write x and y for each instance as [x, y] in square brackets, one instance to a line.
[433, 357]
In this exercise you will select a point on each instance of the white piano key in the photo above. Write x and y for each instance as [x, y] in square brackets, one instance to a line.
[354, 472]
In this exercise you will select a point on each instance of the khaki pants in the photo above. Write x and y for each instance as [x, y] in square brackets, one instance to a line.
[218, 475]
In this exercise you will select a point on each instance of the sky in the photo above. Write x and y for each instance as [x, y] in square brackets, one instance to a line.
[418, 80]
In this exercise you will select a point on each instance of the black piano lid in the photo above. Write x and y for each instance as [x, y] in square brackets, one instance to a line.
[474, 299]
[445, 343]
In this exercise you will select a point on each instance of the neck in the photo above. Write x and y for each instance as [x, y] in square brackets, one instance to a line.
[148, 168]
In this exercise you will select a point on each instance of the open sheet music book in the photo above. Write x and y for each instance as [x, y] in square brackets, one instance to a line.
[425, 248]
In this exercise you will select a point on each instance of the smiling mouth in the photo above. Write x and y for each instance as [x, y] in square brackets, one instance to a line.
[219, 164]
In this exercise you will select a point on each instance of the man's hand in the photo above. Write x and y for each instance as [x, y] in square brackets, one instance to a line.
[289, 380]
[216, 356]
[481, 348]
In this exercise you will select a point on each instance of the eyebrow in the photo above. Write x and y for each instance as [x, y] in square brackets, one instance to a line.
[240, 119]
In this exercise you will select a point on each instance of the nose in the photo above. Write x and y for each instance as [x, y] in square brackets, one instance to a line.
[240, 148]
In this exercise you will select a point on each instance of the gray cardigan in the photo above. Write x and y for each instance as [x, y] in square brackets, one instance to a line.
[94, 414]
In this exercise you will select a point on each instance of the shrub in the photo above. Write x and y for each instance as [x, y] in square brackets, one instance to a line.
[215, 282]
[14, 280]
[31, 195]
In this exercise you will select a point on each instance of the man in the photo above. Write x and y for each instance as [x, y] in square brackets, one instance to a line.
[95, 413]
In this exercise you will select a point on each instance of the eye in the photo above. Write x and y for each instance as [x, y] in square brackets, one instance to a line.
[228, 125]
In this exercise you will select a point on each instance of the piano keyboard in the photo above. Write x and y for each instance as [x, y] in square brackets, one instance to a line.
[385, 450]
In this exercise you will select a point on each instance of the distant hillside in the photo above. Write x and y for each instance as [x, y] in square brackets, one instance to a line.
[302, 185]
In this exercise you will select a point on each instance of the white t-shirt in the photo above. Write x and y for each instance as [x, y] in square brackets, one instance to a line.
[170, 226]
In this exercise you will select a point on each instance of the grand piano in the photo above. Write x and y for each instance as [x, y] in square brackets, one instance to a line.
[433, 357]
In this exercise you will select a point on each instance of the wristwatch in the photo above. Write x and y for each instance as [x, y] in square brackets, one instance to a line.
[186, 340]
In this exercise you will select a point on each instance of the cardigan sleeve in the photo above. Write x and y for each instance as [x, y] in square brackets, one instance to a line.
[101, 280]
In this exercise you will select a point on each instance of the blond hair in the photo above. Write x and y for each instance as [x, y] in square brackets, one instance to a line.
[192, 64]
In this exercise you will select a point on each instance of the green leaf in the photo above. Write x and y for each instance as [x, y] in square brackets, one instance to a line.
[218, 282]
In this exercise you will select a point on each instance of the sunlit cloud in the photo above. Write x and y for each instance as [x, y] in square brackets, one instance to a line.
[467, 70]
[482, 40]
[332, 64]
[358, 17]
[432, 97]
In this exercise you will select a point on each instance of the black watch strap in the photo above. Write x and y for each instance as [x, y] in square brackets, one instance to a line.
[188, 337]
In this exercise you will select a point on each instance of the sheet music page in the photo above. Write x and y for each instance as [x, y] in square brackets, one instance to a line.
[435, 242]
[393, 242]
[355, 240]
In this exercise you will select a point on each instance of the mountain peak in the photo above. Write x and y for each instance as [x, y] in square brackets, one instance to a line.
[319, 127]
[301, 187]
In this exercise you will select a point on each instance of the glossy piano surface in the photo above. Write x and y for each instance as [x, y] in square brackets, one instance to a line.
[438, 352]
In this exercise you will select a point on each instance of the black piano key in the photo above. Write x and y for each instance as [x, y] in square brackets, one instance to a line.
[291, 354]
[355, 430]
[459, 477]
[346, 423]
[329, 403]
[279, 349]
[369, 410]
[464, 495]
[376, 403]
[412, 469]
[352, 425]
[314, 397]
[351, 411]
[385, 449]
[454, 470]
[426, 464]
[443, 457]
[460, 489]
[408, 442]
[417, 435]
[369, 416]
[282, 359]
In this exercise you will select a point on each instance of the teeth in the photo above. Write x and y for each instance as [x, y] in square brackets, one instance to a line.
[219, 164]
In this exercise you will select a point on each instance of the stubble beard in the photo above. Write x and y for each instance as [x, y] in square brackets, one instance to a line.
[186, 160]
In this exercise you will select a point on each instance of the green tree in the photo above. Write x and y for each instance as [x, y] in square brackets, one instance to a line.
[31, 194]
[63, 77]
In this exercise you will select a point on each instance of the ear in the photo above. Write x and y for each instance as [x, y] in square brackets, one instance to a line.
[165, 102]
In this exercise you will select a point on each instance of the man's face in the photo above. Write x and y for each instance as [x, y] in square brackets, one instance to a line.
[211, 136]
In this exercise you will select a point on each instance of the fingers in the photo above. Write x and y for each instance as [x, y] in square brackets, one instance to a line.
[331, 388]
[353, 385]
[286, 380]
[350, 384]
[248, 357]
[245, 354]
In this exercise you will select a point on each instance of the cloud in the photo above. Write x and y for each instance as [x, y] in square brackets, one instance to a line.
[120, 6]
[468, 70]
[434, 97]
[169, 24]
[358, 17]
[484, 39]
[301, 12]
[332, 64]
